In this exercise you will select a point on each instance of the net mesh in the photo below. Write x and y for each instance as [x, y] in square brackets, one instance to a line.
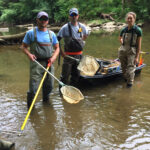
[71, 94]
[88, 66]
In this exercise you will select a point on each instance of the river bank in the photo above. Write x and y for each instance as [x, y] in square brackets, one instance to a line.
[94, 26]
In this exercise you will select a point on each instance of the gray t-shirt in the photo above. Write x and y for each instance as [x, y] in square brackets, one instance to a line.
[64, 31]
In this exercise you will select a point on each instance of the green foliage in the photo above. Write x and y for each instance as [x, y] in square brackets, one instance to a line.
[8, 15]
[25, 11]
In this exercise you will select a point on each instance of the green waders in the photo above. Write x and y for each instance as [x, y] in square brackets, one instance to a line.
[43, 52]
[127, 54]
[69, 68]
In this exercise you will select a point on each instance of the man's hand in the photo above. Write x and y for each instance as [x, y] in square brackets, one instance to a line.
[31, 56]
[136, 61]
[24, 47]
[52, 60]
[55, 54]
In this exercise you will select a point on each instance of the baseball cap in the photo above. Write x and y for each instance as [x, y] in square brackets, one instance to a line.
[73, 10]
[42, 13]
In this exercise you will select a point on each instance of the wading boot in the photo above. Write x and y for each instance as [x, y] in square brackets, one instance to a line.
[46, 100]
[129, 85]
[30, 97]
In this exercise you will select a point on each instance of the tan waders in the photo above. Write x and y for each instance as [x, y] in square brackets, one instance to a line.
[127, 54]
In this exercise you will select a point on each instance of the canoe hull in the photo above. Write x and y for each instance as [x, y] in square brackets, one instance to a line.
[114, 72]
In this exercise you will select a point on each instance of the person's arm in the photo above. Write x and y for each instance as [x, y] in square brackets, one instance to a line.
[61, 51]
[55, 54]
[85, 32]
[24, 47]
[121, 40]
[138, 49]
[84, 37]
[121, 36]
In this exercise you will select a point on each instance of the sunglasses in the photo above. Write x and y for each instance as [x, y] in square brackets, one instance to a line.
[43, 19]
[73, 14]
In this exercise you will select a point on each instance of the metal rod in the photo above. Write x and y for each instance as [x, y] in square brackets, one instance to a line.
[72, 58]
[62, 84]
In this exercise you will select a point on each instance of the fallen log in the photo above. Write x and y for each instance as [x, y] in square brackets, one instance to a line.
[12, 39]
[4, 29]
[17, 38]
[25, 25]
[54, 29]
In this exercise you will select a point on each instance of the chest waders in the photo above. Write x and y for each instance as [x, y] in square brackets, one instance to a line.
[127, 54]
[73, 45]
[74, 48]
[43, 51]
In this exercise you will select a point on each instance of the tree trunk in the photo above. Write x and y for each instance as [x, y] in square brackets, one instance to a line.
[123, 5]
[17, 38]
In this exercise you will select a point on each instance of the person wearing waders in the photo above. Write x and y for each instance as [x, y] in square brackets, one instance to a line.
[41, 42]
[74, 34]
[130, 39]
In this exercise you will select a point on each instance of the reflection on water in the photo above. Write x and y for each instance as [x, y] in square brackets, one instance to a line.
[110, 116]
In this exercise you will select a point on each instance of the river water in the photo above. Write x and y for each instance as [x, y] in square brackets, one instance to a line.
[111, 117]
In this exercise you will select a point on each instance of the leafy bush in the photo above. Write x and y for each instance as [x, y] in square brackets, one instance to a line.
[24, 11]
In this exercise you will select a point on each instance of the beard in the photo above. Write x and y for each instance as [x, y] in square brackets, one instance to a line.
[74, 20]
[42, 25]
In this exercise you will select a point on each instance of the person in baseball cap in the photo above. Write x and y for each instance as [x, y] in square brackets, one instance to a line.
[42, 19]
[42, 13]
[73, 11]
[72, 32]
[41, 44]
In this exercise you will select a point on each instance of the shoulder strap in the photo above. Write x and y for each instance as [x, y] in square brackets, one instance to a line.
[131, 38]
[50, 36]
[79, 28]
[35, 37]
[70, 31]
[133, 31]
[49, 32]
[126, 28]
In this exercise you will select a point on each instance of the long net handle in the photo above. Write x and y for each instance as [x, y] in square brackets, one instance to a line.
[35, 97]
[72, 58]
